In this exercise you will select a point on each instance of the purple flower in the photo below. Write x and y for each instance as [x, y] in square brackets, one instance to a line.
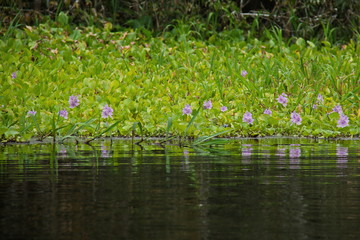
[320, 98]
[73, 101]
[268, 111]
[295, 118]
[283, 99]
[223, 108]
[248, 118]
[31, 113]
[343, 121]
[314, 106]
[107, 112]
[13, 75]
[187, 109]
[208, 104]
[244, 73]
[63, 113]
[337, 109]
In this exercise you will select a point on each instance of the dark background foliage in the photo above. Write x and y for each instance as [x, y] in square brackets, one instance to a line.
[335, 20]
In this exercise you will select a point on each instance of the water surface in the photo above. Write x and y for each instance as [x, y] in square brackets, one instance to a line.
[246, 189]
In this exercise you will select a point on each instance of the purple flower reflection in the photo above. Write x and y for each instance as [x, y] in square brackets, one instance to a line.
[105, 153]
[63, 152]
[280, 152]
[294, 163]
[342, 153]
[295, 152]
[247, 151]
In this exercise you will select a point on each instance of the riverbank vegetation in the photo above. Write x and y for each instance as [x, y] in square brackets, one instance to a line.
[65, 81]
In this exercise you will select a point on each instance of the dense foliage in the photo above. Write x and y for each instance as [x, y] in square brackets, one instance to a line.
[87, 81]
[335, 20]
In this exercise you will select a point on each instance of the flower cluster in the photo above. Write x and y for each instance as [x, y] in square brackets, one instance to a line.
[208, 104]
[74, 101]
[282, 99]
[295, 118]
[267, 111]
[187, 110]
[248, 118]
[343, 121]
[31, 113]
[13, 75]
[64, 114]
[244, 73]
[223, 109]
[107, 112]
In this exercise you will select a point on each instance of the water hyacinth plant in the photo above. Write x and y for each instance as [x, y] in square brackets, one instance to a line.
[244, 73]
[107, 112]
[296, 118]
[154, 78]
[31, 113]
[282, 99]
[343, 121]
[13, 75]
[208, 104]
[187, 110]
[74, 101]
[267, 111]
[247, 117]
[64, 114]
[223, 109]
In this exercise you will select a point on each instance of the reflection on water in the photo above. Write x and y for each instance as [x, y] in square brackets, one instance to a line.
[341, 153]
[246, 189]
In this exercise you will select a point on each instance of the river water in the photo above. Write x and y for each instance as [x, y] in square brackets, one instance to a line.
[270, 188]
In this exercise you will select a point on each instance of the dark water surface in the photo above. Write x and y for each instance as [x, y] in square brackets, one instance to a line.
[247, 189]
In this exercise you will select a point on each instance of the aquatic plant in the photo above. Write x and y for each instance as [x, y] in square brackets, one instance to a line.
[247, 117]
[282, 99]
[74, 101]
[187, 109]
[64, 114]
[207, 104]
[244, 73]
[343, 121]
[107, 112]
[267, 111]
[31, 113]
[223, 109]
[198, 84]
[296, 118]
